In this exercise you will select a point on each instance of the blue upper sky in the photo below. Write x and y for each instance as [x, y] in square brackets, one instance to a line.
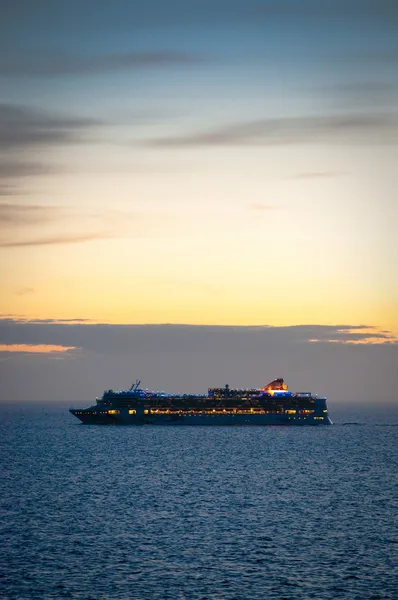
[222, 52]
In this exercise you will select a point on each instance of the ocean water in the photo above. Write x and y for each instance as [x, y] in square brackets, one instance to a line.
[198, 513]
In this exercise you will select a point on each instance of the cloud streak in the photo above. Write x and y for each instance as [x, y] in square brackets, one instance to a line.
[54, 65]
[14, 171]
[351, 128]
[382, 95]
[23, 214]
[22, 126]
[100, 225]
[15, 216]
[57, 240]
[17, 168]
[8, 189]
[24, 290]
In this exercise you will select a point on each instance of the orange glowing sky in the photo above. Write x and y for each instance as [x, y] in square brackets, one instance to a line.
[236, 246]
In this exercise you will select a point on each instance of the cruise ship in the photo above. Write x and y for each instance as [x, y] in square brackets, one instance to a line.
[272, 404]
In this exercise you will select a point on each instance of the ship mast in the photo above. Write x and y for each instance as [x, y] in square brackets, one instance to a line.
[135, 386]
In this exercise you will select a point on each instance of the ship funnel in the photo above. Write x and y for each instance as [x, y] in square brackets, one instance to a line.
[276, 384]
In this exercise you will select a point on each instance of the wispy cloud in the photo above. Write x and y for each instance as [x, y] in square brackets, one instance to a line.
[14, 172]
[23, 214]
[22, 126]
[379, 95]
[63, 64]
[7, 190]
[17, 221]
[16, 218]
[56, 240]
[24, 291]
[24, 225]
[355, 128]
[17, 168]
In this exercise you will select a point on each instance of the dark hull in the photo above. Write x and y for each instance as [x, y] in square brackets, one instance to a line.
[92, 418]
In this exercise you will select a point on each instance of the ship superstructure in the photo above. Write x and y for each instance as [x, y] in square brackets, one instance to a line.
[273, 404]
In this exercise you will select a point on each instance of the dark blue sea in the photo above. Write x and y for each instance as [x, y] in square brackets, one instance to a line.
[91, 512]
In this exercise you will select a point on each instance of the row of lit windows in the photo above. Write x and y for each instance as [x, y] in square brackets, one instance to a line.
[209, 412]
[302, 412]
[201, 412]
[214, 412]
[224, 411]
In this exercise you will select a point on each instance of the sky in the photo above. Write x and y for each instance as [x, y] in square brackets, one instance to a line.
[223, 171]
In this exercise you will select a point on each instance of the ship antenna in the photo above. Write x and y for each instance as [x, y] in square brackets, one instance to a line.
[134, 386]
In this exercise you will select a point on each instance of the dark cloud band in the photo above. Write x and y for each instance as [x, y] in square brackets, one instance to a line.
[128, 338]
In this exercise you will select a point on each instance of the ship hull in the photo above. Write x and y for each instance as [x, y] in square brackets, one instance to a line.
[202, 420]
